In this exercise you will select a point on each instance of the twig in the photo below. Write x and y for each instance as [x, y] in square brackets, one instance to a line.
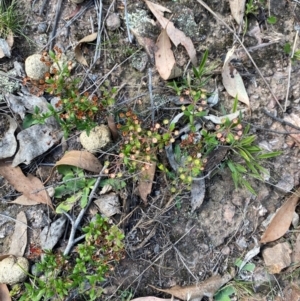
[69, 23]
[245, 49]
[290, 71]
[43, 5]
[76, 223]
[151, 95]
[282, 121]
[54, 27]
[98, 5]
[127, 22]
[6, 216]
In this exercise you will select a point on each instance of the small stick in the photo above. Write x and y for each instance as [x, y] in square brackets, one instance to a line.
[282, 121]
[98, 5]
[151, 94]
[290, 71]
[6, 216]
[75, 223]
[57, 15]
[127, 23]
[245, 49]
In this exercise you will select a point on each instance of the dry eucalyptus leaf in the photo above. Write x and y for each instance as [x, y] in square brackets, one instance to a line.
[164, 58]
[19, 237]
[199, 290]
[81, 159]
[176, 35]
[237, 8]
[146, 180]
[218, 119]
[113, 127]
[26, 185]
[24, 200]
[281, 221]
[233, 81]
[8, 143]
[78, 54]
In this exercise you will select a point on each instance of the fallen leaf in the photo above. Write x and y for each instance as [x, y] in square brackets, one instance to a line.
[24, 200]
[112, 126]
[81, 159]
[197, 291]
[233, 81]
[145, 181]
[26, 185]
[4, 293]
[19, 237]
[78, 54]
[237, 8]
[164, 58]
[281, 221]
[176, 35]
[197, 193]
[219, 119]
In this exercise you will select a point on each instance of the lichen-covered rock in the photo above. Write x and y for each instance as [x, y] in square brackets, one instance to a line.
[35, 68]
[13, 270]
[97, 139]
[113, 22]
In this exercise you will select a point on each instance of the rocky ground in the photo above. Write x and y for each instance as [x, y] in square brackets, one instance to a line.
[167, 242]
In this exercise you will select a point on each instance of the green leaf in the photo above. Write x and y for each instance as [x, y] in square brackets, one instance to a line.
[172, 126]
[287, 48]
[247, 267]
[248, 186]
[244, 154]
[248, 140]
[225, 293]
[235, 104]
[272, 20]
[269, 155]
[68, 204]
[240, 168]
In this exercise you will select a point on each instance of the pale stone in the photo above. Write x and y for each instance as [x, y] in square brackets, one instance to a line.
[35, 68]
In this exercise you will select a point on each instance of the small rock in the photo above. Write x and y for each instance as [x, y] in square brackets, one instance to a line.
[34, 68]
[113, 22]
[97, 139]
[295, 220]
[277, 257]
[140, 61]
[261, 280]
[13, 270]
[108, 204]
[42, 27]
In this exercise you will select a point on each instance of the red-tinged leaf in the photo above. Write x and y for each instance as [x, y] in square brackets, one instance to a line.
[281, 221]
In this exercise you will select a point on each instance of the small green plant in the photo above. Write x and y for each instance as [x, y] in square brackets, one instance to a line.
[83, 272]
[11, 22]
[251, 7]
[74, 110]
[75, 184]
[288, 50]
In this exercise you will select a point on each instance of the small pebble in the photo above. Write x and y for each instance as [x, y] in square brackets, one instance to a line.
[42, 27]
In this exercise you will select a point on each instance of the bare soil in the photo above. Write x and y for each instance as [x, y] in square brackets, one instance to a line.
[168, 245]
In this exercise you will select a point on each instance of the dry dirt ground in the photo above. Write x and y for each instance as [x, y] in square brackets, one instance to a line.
[173, 245]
